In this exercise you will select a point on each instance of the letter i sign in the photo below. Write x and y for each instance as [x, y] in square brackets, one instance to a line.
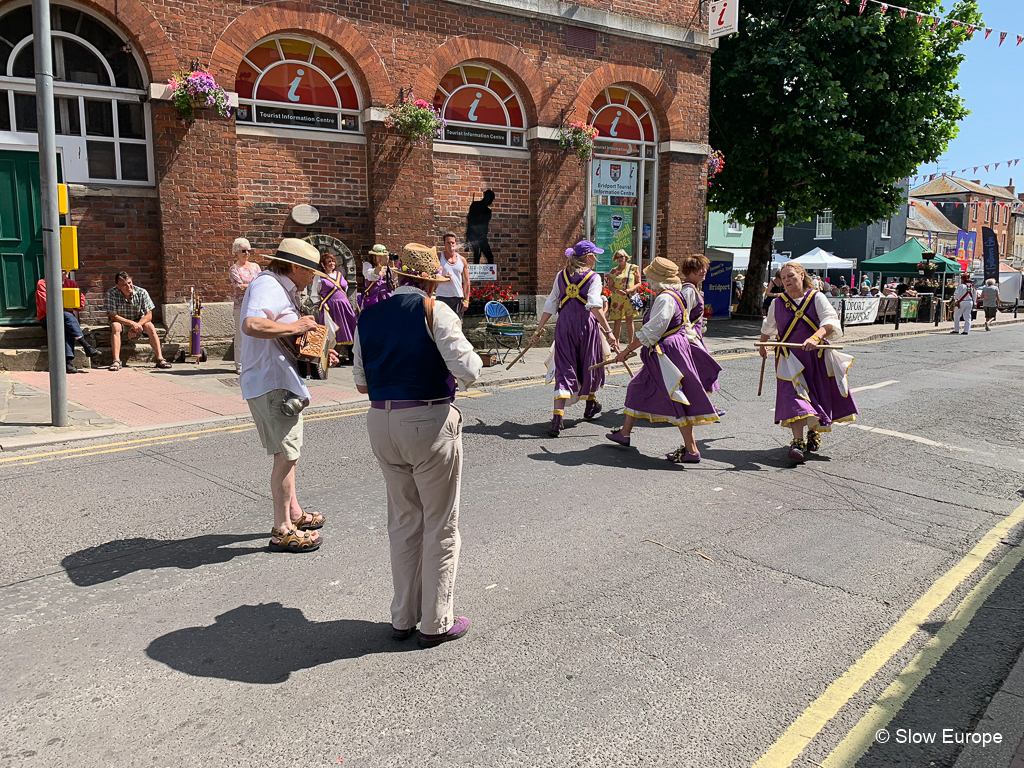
[724, 19]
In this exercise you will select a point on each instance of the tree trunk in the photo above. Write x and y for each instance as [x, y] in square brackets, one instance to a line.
[749, 307]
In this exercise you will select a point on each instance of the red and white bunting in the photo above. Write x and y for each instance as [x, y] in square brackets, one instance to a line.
[1020, 39]
[1002, 37]
[987, 32]
[884, 7]
[920, 16]
[863, 5]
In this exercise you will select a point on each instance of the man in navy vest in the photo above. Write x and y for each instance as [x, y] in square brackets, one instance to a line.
[409, 351]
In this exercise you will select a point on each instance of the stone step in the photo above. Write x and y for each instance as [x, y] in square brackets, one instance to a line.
[134, 353]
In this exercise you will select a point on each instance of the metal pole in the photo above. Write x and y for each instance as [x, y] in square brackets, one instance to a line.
[899, 309]
[842, 315]
[51, 218]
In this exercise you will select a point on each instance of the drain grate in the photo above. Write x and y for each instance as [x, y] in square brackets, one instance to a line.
[230, 381]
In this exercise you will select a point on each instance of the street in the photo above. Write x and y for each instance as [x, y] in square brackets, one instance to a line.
[625, 611]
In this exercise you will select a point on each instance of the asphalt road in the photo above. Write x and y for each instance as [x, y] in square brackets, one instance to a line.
[625, 611]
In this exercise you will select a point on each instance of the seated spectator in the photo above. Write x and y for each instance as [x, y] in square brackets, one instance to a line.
[72, 328]
[130, 309]
[905, 290]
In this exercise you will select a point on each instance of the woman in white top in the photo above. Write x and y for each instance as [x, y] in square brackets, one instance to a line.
[455, 291]
[241, 272]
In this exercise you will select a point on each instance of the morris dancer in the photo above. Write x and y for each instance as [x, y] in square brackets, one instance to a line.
[576, 298]
[378, 278]
[668, 387]
[694, 269]
[812, 390]
[963, 304]
[334, 301]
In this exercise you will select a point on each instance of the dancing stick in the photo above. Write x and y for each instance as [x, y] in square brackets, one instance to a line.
[760, 381]
[611, 360]
[520, 357]
[629, 370]
[793, 346]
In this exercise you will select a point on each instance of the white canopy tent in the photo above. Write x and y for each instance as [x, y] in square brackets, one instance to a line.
[816, 258]
[741, 258]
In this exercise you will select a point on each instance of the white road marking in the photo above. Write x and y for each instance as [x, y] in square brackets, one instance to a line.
[875, 386]
[912, 438]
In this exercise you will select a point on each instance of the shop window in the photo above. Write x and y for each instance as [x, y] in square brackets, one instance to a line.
[823, 229]
[102, 119]
[298, 83]
[734, 227]
[886, 227]
[480, 106]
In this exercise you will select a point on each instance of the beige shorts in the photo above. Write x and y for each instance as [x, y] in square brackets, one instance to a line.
[278, 433]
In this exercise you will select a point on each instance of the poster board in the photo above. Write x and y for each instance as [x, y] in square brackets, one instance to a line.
[614, 231]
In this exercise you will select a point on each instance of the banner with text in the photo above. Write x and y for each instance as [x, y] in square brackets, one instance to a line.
[613, 177]
[483, 272]
[614, 231]
[990, 254]
[859, 311]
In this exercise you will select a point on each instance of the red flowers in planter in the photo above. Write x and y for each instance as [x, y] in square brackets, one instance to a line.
[492, 292]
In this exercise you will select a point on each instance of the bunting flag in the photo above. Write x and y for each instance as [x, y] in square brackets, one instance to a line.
[935, 23]
[987, 33]
[903, 13]
[884, 8]
[919, 17]
[975, 169]
[1002, 37]
[863, 5]
[1020, 39]
[961, 173]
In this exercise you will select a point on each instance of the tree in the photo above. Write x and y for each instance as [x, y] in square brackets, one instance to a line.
[820, 106]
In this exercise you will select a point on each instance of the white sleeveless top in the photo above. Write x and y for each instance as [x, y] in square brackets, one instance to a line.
[454, 286]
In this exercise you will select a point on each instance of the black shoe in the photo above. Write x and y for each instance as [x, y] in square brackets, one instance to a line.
[402, 634]
[70, 367]
[556, 426]
[90, 351]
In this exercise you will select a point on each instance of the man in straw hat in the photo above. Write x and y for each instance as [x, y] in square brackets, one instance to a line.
[409, 351]
[272, 387]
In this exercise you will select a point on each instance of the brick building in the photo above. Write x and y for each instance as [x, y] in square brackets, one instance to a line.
[313, 82]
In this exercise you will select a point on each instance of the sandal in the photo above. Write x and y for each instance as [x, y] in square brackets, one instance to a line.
[115, 366]
[310, 521]
[293, 541]
[161, 363]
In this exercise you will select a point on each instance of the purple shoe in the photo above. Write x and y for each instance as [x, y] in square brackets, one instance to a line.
[617, 437]
[556, 426]
[402, 634]
[720, 411]
[592, 409]
[796, 451]
[680, 456]
[459, 628]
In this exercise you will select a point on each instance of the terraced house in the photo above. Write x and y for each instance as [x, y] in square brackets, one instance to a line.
[313, 83]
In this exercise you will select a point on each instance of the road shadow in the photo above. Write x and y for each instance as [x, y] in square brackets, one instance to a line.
[263, 644]
[114, 559]
[507, 430]
[956, 692]
[608, 455]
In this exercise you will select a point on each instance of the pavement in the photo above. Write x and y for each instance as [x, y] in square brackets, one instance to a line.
[625, 611]
[102, 403]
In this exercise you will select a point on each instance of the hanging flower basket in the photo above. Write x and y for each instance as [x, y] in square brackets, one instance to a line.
[716, 162]
[415, 119]
[197, 90]
[578, 138]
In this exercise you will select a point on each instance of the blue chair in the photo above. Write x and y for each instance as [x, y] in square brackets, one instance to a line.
[504, 334]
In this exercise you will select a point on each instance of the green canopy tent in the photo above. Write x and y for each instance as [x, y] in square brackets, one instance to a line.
[903, 261]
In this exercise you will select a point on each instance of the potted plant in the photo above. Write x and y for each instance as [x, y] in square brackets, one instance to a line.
[578, 138]
[415, 119]
[194, 90]
[715, 164]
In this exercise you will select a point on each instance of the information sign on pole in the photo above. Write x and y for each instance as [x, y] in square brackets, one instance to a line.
[725, 18]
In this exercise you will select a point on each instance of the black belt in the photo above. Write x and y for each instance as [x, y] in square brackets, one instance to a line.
[397, 405]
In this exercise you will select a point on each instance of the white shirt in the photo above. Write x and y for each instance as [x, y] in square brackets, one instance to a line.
[962, 290]
[594, 295]
[452, 288]
[662, 312]
[827, 316]
[370, 273]
[265, 366]
[458, 354]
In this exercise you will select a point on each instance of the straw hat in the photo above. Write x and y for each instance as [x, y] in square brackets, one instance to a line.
[662, 271]
[421, 262]
[378, 250]
[299, 252]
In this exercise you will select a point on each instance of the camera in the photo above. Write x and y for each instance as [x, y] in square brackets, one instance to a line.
[293, 406]
[394, 256]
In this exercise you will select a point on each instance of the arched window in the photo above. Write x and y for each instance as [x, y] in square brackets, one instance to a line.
[479, 106]
[624, 122]
[298, 83]
[101, 116]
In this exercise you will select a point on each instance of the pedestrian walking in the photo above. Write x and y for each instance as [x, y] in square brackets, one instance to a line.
[694, 269]
[271, 385]
[378, 277]
[409, 353]
[963, 304]
[241, 273]
[668, 387]
[812, 391]
[990, 300]
[331, 288]
[576, 298]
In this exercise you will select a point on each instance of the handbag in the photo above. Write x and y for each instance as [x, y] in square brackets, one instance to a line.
[635, 298]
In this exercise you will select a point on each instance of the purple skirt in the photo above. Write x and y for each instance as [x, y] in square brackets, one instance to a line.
[577, 347]
[341, 312]
[668, 387]
[707, 368]
[812, 393]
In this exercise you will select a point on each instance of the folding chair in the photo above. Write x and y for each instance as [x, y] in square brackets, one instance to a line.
[501, 331]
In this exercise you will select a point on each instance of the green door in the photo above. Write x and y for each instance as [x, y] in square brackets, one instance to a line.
[21, 237]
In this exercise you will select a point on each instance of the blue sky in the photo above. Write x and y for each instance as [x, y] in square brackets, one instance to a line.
[990, 84]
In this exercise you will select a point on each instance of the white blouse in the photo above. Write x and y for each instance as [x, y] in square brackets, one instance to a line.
[594, 295]
[370, 273]
[662, 312]
[827, 316]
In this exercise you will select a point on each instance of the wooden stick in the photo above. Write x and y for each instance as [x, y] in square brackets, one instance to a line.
[520, 356]
[760, 381]
[652, 541]
[629, 370]
[793, 346]
[610, 361]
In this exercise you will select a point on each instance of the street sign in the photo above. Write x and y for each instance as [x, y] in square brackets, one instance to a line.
[725, 18]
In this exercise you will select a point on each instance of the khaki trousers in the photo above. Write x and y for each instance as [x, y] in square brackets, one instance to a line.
[420, 454]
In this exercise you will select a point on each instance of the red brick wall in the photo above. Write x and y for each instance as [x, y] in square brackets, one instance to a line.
[116, 233]
[682, 190]
[276, 174]
[559, 189]
[460, 179]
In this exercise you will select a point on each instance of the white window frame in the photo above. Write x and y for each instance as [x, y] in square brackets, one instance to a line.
[252, 103]
[733, 227]
[823, 226]
[507, 128]
[887, 229]
[779, 233]
[73, 148]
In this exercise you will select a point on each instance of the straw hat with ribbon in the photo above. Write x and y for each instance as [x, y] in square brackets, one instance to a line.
[378, 250]
[299, 252]
[420, 262]
[662, 271]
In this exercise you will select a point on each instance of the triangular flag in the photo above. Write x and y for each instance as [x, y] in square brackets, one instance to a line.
[863, 5]
[1016, 161]
[935, 23]
[1020, 39]
[955, 23]
[975, 169]
[986, 169]
[903, 13]
[919, 17]
[884, 8]
[1002, 37]
[987, 32]
[970, 30]
[997, 166]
